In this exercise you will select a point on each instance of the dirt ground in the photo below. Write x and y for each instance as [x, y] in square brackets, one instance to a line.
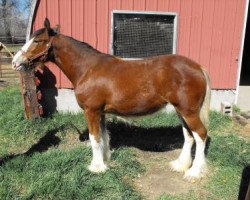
[245, 131]
[159, 179]
[5, 82]
[243, 121]
[8, 76]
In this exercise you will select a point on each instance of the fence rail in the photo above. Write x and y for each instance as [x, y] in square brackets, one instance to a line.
[5, 60]
[6, 70]
[13, 40]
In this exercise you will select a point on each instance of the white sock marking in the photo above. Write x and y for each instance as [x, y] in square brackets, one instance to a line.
[185, 156]
[199, 159]
[199, 164]
[97, 164]
[185, 159]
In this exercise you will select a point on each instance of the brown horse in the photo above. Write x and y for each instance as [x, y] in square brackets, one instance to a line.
[106, 84]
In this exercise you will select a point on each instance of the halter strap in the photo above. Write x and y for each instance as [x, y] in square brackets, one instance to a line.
[43, 54]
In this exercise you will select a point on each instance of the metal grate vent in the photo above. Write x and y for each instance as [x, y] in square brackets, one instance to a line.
[142, 35]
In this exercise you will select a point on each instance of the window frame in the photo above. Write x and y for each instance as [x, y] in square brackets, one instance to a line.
[113, 12]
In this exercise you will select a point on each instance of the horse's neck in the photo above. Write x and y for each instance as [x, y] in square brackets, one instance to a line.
[72, 59]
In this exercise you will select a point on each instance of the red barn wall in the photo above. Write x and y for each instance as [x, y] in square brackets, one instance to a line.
[209, 31]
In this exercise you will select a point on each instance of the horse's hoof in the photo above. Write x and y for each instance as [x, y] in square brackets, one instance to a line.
[194, 174]
[177, 166]
[97, 168]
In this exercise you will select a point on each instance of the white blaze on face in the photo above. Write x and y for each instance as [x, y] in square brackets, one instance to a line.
[19, 58]
[27, 45]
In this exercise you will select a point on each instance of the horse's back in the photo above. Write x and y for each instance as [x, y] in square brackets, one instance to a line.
[171, 63]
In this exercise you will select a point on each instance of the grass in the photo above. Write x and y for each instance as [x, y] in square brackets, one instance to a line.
[17, 134]
[229, 155]
[57, 168]
[158, 120]
[60, 172]
[236, 110]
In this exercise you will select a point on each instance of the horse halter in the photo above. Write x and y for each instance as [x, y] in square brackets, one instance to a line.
[43, 55]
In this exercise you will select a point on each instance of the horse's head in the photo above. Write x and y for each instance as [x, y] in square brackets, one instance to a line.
[36, 50]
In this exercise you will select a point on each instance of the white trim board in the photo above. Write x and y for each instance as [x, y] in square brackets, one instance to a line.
[241, 51]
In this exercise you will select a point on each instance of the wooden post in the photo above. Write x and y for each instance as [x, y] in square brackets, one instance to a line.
[28, 86]
[1, 47]
[28, 89]
[32, 108]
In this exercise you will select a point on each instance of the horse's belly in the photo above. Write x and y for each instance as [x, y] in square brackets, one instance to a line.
[134, 107]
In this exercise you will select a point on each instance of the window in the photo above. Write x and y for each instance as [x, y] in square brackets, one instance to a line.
[142, 34]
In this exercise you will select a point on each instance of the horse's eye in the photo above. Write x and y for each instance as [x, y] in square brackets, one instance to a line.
[36, 41]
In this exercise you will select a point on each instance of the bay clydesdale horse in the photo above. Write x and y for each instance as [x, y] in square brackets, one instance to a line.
[106, 84]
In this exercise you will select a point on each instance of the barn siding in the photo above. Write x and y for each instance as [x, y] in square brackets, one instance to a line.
[208, 31]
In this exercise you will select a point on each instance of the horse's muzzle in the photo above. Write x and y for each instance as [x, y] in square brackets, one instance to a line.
[19, 61]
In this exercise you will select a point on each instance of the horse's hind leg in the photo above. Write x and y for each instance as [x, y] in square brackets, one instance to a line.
[200, 135]
[184, 161]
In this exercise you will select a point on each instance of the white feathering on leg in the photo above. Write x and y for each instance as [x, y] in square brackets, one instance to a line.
[185, 159]
[198, 168]
[97, 165]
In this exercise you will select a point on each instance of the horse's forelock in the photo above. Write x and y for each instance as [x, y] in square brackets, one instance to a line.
[42, 30]
[38, 32]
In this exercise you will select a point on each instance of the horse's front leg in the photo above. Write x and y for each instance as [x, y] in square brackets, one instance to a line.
[97, 141]
[105, 138]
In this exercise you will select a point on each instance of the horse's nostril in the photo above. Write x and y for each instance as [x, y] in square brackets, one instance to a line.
[13, 65]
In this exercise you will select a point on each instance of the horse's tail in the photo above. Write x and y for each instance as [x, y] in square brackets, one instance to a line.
[205, 107]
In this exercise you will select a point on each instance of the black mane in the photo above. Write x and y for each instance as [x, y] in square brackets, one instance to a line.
[86, 46]
[77, 43]
[41, 30]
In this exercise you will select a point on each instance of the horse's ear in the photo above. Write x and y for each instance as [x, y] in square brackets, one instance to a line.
[46, 23]
[56, 29]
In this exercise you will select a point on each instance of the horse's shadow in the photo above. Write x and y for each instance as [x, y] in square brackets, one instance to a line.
[48, 140]
[121, 134]
[156, 139]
